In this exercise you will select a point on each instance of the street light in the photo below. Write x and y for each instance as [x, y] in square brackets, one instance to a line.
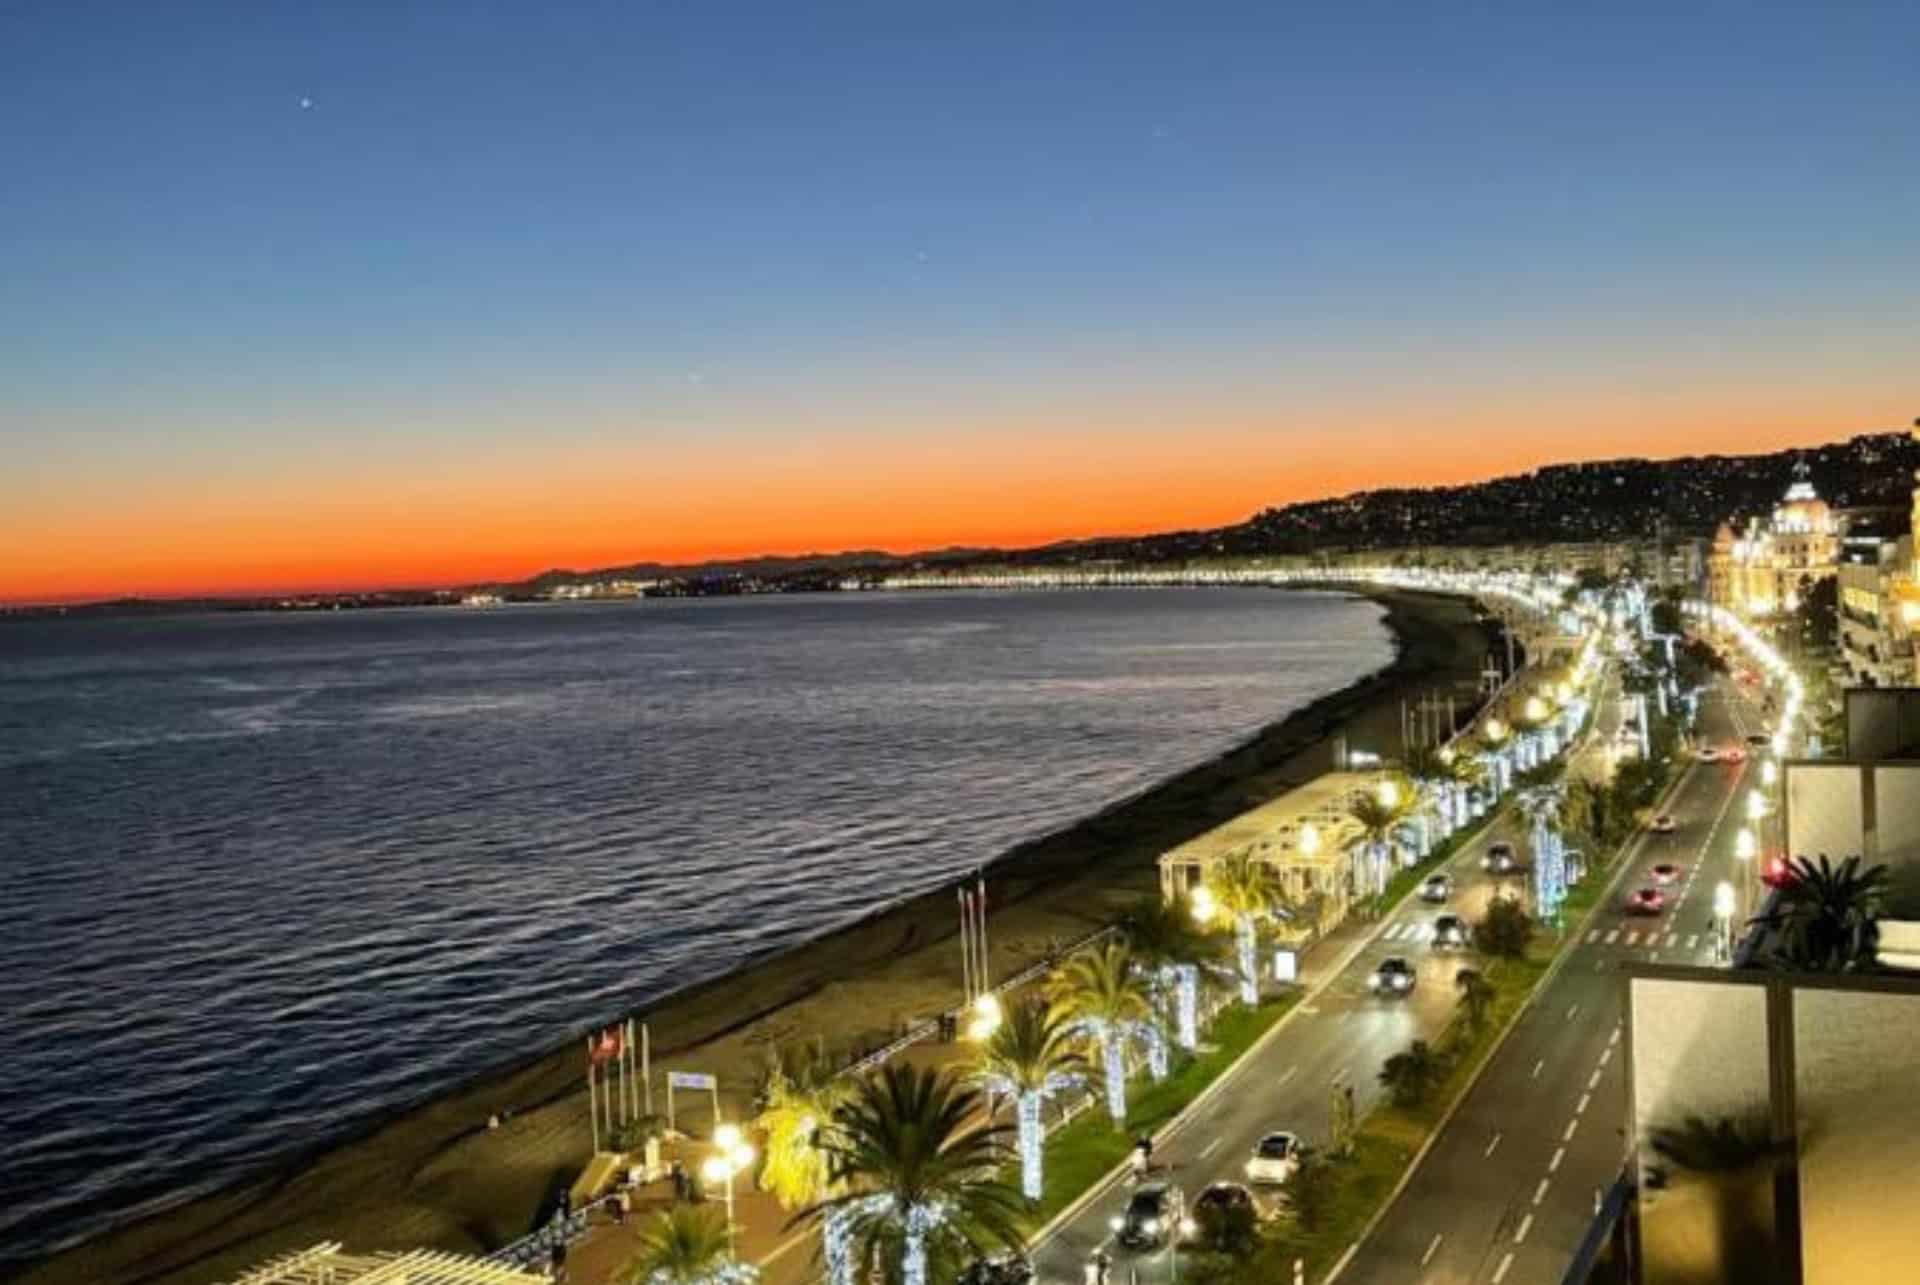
[1769, 773]
[731, 1156]
[1203, 906]
[1389, 794]
[1745, 845]
[1309, 838]
[1535, 709]
[986, 1018]
[1756, 805]
[1723, 911]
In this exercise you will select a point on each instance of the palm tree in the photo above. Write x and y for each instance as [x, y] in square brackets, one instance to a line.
[680, 1246]
[1541, 807]
[1247, 889]
[1099, 991]
[1441, 775]
[1826, 915]
[1476, 995]
[1410, 1076]
[1718, 1178]
[799, 1092]
[1377, 819]
[1168, 940]
[917, 1186]
[1030, 1057]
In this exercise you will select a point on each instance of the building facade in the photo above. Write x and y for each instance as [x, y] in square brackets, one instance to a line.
[1875, 606]
[1767, 566]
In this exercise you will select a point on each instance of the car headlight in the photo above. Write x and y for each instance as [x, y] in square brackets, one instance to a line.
[1402, 983]
[1151, 1227]
[1116, 1222]
[1188, 1227]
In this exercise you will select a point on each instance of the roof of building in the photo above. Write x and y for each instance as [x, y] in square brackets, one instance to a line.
[1274, 828]
[329, 1264]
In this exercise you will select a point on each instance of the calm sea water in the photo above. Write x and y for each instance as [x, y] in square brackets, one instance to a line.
[261, 875]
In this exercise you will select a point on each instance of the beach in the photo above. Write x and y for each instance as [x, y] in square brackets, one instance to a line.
[436, 1176]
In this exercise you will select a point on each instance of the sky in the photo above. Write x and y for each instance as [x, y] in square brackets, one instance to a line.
[379, 293]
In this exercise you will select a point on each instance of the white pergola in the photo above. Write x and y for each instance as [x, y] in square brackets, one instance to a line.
[329, 1264]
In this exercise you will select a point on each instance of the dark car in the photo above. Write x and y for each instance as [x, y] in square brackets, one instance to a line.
[1666, 873]
[1002, 1269]
[1450, 933]
[1222, 1218]
[1759, 740]
[1148, 1219]
[1500, 858]
[1395, 976]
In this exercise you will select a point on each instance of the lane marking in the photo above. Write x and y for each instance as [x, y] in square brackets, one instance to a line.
[1592, 1081]
[1633, 939]
[1614, 1038]
[1428, 1256]
[1536, 1069]
[1581, 1109]
[1500, 1272]
[1526, 1225]
[1593, 935]
[1571, 1011]
[1559, 1154]
[1491, 1145]
[1286, 1075]
[1613, 936]
[1211, 1147]
[1605, 1055]
[1672, 939]
[1693, 941]
[1540, 1192]
[1571, 1126]
[1307, 1009]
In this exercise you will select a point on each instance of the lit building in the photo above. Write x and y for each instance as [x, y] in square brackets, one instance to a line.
[1876, 606]
[1773, 563]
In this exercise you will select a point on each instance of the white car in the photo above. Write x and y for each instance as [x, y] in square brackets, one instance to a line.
[1707, 754]
[1274, 1159]
[1663, 824]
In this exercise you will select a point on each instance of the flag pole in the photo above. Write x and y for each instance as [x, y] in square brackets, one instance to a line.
[986, 967]
[593, 1111]
[966, 946]
[646, 1064]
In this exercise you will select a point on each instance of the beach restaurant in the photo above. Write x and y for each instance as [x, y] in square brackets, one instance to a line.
[1308, 835]
[329, 1264]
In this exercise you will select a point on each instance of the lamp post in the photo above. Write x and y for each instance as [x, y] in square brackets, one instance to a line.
[1723, 913]
[1744, 848]
[731, 1155]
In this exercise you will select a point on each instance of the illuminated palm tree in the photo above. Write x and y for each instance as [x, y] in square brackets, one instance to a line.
[1100, 991]
[1167, 937]
[1249, 890]
[685, 1245]
[798, 1094]
[918, 1186]
[1030, 1057]
[1378, 815]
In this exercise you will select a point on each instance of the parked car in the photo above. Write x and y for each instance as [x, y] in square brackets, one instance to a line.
[1395, 976]
[1663, 824]
[1666, 874]
[1499, 858]
[1707, 754]
[1450, 933]
[1148, 1219]
[1274, 1159]
[1733, 754]
[1759, 740]
[1647, 901]
[1001, 1269]
[1436, 888]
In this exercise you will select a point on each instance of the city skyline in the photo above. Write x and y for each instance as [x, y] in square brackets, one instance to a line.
[385, 297]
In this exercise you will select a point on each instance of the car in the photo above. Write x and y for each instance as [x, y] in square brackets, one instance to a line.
[1450, 933]
[1222, 1216]
[1733, 754]
[1663, 824]
[1395, 976]
[1499, 858]
[1759, 740]
[1000, 1269]
[1775, 873]
[1274, 1159]
[1666, 874]
[1149, 1217]
[1647, 901]
[1707, 754]
[1436, 888]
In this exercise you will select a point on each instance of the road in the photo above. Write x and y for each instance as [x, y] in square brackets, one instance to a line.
[1507, 1190]
[1340, 1033]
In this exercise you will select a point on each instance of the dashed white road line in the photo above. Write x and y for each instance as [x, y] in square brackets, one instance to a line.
[1211, 1147]
[1428, 1256]
[1526, 1225]
[1500, 1272]
[1593, 935]
[1572, 1011]
[1633, 939]
[1491, 1145]
[1536, 1069]
[1581, 1108]
[1593, 1081]
[1571, 1126]
[1559, 1154]
[1540, 1192]
[1606, 1056]
[1693, 941]
[1613, 936]
[1286, 1075]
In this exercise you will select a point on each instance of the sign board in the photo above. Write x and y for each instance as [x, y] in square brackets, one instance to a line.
[1286, 966]
[691, 1080]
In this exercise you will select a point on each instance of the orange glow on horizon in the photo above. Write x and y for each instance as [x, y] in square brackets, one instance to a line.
[365, 523]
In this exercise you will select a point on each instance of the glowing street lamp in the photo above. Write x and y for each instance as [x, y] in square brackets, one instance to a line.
[1309, 838]
[1495, 731]
[1535, 709]
[986, 1018]
[1723, 913]
[1745, 846]
[1756, 805]
[1203, 905]
[731, 1155]
[1769, 773]
[1389, 794]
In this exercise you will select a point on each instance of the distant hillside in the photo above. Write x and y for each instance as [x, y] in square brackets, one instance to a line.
[1593, 500]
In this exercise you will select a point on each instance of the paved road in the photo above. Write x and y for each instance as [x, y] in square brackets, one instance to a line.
[1341, 1033]
[1507, 1191]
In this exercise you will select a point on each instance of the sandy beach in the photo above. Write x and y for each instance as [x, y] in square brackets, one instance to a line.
[435, 1175]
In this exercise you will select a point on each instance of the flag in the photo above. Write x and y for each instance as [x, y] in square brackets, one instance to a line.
[607, 1047]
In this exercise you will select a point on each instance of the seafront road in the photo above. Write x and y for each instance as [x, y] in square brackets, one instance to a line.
[1340, 1033]
[1506, 1191]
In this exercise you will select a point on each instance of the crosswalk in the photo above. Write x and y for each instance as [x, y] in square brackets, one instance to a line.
[1413, 932]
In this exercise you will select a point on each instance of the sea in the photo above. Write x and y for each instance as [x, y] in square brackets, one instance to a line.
[265, 874]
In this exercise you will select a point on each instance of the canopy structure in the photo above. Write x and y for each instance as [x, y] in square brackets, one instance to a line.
[1305, 835]
[329, 1264]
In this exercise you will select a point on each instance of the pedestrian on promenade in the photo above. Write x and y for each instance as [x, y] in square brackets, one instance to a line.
[622, 1204]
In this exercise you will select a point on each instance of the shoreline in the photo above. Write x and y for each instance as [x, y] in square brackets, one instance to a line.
[432, 1175]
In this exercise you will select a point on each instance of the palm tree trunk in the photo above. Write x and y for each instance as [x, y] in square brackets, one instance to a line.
[1031, 1136]
[1158, 1063]
[1249, 964]
[1187, 1004]
[1116, 1075]
[913, 1262]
